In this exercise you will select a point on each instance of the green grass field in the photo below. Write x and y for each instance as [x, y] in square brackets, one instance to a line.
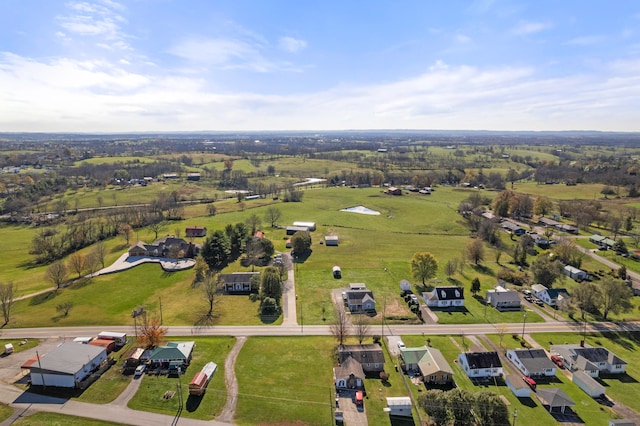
[54, 419]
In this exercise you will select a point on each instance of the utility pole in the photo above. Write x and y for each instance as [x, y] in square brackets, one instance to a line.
[524, 321]
[40, 367]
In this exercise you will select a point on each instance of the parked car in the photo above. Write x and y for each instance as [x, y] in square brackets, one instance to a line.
[401, 344]
[539, 302]
[413, 299]
[526, 292]
[139, 370]
[557, 360]
[528, 380]
[528, 298]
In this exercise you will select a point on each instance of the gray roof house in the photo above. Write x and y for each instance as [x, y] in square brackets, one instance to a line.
[67, 365]
[360, 300]
[590, 359]
[503, 299]
[370, 357]
[532, 362]
[237, 282]
[349, 374]
[554, 398]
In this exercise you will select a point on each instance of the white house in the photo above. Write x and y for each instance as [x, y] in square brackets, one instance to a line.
[551, 296]
[575, 273]
[444, 297]
[532, 362]
[67, 365]
[480, 364]
[589, 359]
[311, 226]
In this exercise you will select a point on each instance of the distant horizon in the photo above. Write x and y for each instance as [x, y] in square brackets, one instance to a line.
[109, 66]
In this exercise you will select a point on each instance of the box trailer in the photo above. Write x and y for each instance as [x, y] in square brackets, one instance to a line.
[109, 345]
[198, 384]
[119, 338]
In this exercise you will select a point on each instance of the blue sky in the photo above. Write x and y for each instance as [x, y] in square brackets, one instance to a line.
[180, 65]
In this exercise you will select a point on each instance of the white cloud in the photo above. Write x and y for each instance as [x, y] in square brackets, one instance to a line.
[526, 28]
[68, 95]
[93, 20]
[461, 38]
[292, 45]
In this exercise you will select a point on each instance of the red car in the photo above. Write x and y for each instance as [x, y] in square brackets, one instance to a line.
[359, 398]
[557, 360]
[530, 382]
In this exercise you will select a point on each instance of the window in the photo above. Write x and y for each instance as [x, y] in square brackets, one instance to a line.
[432, 378]
[445, 377]
[476, 371]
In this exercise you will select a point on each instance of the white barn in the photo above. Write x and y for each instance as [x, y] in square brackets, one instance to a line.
[67, 365]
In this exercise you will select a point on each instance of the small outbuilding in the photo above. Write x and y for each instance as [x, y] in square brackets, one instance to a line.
[588, 384]
[575, 273]
[517, 385]
[67, 365]
[311, 226]
[399, 406]
[331, 240]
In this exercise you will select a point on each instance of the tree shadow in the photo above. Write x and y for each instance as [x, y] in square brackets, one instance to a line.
[205, 318]
[481, 269]
[454, 281]
[79, 283]
[42, 298]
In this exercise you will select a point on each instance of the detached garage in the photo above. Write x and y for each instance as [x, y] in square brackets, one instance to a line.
[67, 366]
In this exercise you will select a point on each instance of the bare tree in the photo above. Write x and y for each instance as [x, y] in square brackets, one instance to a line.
[501, 330]
[361, 327]
[158, 227]
[254, 223]
[272, 215]
[92, 263]
[78, 263]
[64, 308]
[340, 326]
[57, 273]
[125, 230]
[100, 252]
[6, 300]
[210, 291]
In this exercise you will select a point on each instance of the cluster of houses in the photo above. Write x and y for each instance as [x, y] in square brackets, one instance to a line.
[171, 246]
[71, 364]
[554, 224]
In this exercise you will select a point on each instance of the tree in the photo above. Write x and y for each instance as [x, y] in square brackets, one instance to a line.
[568, 253]
[423, 266]
[545, 270]
[255, 254]
[622, 273]
[272, 215]
[210, 292]
[158, 227]
[271, 284]
[201, 270]
[435, 403]
[150, 332]
[64, 308]
[340, 326]
[254, 223]
[77, 263]
[489, 409]
[125, 231]
[501, 330]
[57, 273]
[301, 244]
[238, 235]
[475, 286]
[586, 298]
[542, 206]
[100, 252]
[460, 402]
[451, 267]
[475, 251]
[361, 327]
[216, 251]
[6, 300]
[212, 209]
[615, 297]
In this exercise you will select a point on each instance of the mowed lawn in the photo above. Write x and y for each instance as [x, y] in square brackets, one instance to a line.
[55, 419]
[149, 396]
[278, 385]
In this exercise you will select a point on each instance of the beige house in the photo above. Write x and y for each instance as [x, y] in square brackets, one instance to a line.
[427, 362]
